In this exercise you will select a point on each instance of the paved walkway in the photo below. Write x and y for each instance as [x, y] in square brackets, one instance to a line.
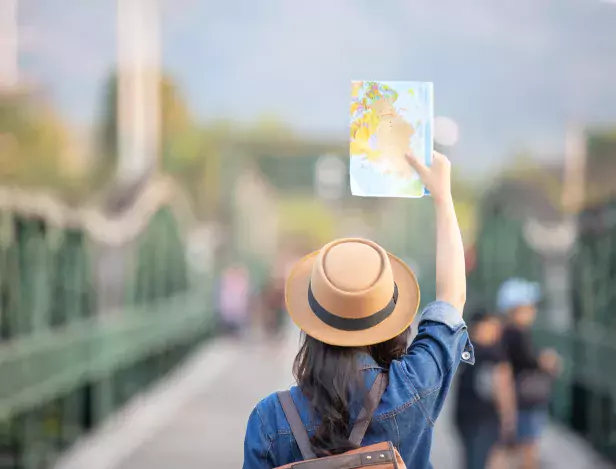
[196, 418]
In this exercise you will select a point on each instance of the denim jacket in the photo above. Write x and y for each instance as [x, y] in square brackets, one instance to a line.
[418, 384]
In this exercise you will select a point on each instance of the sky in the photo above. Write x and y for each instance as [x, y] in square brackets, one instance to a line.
[511, 74]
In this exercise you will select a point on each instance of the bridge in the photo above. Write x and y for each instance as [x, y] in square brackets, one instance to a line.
[110, 351]
[85, 313]
[110, 355]
[197, 417]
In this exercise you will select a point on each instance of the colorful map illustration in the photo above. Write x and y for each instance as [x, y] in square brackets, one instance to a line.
[388, 120]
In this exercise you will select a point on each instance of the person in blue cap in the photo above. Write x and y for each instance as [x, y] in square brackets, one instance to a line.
[533, 371]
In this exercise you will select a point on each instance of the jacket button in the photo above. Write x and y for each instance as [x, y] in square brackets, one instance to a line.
[466, 355]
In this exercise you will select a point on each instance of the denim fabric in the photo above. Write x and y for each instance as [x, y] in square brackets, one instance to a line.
[531, 423]
[418, 385]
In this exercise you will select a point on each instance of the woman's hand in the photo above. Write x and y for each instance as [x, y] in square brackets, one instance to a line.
[450, 265]
[437, 177]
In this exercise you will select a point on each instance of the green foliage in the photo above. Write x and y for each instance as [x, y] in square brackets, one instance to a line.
[179, 134]
[32, 141]
[268, 127]
[544, 179]
[189, 152]
[108, 138]
[600, 170]
[307, 218]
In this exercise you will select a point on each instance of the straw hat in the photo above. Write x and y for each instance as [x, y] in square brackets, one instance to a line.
[352, 293]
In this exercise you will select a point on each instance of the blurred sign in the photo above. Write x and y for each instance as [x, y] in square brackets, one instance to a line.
[330, 177]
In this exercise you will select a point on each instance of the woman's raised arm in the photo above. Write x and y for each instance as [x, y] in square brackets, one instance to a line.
[450, 267]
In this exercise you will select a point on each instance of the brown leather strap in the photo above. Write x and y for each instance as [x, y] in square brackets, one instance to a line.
[382, 458]
[365, 415]
[297, 426]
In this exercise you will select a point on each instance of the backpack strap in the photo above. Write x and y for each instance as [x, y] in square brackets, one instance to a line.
[365, 415]
[297, 426]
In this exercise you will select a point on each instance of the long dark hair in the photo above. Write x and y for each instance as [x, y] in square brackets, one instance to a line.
[327, 376]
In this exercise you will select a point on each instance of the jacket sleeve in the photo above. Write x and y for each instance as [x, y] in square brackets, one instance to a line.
[256, 444]
[431, 361]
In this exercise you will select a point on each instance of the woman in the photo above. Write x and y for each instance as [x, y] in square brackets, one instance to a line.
[355, 303]
[533, 372]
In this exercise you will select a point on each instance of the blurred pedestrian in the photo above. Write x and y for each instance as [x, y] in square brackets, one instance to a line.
[485, 404]
[533, 371]
[274, 307]
[234, 295]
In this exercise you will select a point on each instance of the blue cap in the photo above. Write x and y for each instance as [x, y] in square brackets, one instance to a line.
[517, 292]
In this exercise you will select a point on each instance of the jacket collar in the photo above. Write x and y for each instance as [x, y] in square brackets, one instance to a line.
[366, 362]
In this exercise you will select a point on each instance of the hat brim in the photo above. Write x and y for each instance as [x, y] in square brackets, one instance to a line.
[296, 298]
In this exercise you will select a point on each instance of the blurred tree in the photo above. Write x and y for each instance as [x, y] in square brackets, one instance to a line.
[308, 218]
[600, 170]
[108, 139]
[188, 152]
[525, 168]
[269, 126]
[522, 160]
[32, 141]
[179, 137]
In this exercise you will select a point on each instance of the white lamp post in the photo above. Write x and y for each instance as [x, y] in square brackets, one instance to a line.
[138, 87]
[9, 69]
[553, 242]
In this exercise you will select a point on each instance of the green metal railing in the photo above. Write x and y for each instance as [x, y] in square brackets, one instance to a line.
[43, 366]
[589, 356]
[66, 361]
